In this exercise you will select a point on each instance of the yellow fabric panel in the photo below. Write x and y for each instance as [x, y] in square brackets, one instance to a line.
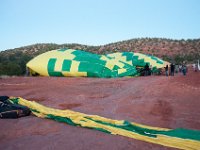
[67, 54]
[74, 74]
[178, 142]
[115, 55]
[74, 66]
[104, 58]
[111, 63]
[58, 65]
[61, 56]
[108, 64]
[69, 51]
[121, 71]
[121, 65]
[39, 114]
[39, 63]
[148, 59]
[118, 57]
[129, 62]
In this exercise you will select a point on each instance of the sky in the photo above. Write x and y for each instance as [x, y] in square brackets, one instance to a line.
[95, 22]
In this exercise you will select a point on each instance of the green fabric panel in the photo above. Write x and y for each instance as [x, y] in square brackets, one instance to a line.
[179, 133]
[61, 119]
[102, 130]
[183, 133]
[51, 66]
[116, 67]
[88, 57]
[87, 66]
[126, 65]
[107, 73]
[14, 100]
[138, 62]
[128, 55]
[156, 59]
[93, 74]
[66, 65]
[90, 60]
[107, 56]
[114, 74]
[129, 72]
[85, 54]
[128, 126]
[94, 70]
[34, 110]
[70, 122]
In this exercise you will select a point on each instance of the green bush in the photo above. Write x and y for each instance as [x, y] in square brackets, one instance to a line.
[10, 69]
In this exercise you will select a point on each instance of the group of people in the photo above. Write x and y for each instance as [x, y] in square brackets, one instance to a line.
[171, 69]
[175, 68]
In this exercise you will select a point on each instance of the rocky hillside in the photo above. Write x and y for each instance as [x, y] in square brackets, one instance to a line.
[12, 61]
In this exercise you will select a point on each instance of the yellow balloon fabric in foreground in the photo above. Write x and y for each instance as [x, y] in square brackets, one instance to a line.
[77, 63]
[177, 138]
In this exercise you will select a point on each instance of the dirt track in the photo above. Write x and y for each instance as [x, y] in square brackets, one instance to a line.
[170, 102]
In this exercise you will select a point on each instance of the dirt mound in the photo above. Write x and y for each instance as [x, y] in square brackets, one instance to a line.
[170, 102]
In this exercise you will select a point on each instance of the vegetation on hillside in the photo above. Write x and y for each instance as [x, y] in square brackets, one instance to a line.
[13, 61]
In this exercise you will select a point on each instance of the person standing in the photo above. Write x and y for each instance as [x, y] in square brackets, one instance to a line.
[176, 68]
[196, 67]
[172, 67]
[184, 69]
[146, 69]
[180, 68]
[166, 70]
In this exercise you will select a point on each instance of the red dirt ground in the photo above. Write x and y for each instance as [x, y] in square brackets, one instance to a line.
[170, 102]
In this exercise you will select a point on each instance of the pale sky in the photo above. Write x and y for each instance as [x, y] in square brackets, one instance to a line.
[95, 22]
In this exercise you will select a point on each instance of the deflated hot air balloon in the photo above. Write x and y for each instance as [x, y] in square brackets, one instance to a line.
[77, 63]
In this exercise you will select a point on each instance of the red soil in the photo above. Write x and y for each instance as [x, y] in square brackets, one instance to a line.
[170, 102]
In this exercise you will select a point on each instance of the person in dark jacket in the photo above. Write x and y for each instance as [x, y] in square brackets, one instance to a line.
[184, 69]
[146, 69]
[166, 70]
[10, 110]
[172, 68]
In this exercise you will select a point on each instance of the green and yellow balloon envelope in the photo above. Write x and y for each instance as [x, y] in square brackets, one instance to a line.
[77, 63]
